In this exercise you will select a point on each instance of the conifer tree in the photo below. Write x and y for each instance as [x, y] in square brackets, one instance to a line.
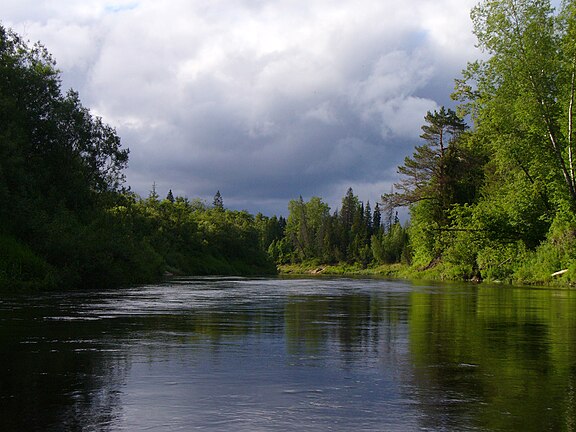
[153, 194]
[368, 218]
[424, 174]
[218, 201]
[376, 219]
[350, 204]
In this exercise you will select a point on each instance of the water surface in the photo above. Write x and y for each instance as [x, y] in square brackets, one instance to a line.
[238, 354]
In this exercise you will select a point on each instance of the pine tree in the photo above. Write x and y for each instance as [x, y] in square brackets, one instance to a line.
[350, 204]
[377, 219]
[153, 196]
[218, 201]
[170, 197]
[368, 219]
[424, 175]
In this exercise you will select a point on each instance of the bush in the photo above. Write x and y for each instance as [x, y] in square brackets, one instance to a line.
[20, 267]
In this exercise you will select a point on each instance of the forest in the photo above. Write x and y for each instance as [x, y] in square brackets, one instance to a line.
[490, 187]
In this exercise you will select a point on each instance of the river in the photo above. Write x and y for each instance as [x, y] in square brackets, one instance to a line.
[289, 354]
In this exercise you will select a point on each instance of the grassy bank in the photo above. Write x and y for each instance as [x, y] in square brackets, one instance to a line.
[399, 271]
[440, 272]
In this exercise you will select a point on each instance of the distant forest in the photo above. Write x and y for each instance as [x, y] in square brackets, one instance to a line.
[491, 185]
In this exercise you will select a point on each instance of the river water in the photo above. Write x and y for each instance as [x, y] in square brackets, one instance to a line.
[233, 354]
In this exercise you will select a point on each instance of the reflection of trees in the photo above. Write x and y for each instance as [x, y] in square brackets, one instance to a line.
[55, 376]
[353, 325]
[305, 320]
[503, 358]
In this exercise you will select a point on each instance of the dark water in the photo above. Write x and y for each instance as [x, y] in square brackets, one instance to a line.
[289, 355]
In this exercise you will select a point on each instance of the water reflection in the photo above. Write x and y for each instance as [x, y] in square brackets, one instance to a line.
[288, 354]
[501, 358]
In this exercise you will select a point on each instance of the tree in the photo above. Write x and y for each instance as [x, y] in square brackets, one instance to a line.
[522, 96]
[305, 226]
[443, 172]
[377, 219]
[359, 246]
[170, 196]
[443, 128]
[95, 145]
[349, 222]
[390, 247]
[218, 202]
[153, 196]
[71, 157]
[368, 219]
[425, 174]
[350, 204]
[270, 228]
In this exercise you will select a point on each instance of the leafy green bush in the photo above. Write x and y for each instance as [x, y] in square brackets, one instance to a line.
[557, 253]
[21, 267]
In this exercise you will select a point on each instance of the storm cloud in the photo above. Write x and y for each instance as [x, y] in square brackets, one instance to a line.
[262, 100]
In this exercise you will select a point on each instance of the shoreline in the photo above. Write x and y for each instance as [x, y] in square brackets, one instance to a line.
[403, 271]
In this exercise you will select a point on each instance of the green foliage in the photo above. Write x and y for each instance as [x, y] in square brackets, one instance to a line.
[391, 247]
[498, 262]
[312, 233]
[424, 236]
[193, 239]
[281, 251]
[525, 90]
[557, 253]
[305, 226]
[21, 268]
[270, 229]
[430, 173]
[65, 219]
[218, 201]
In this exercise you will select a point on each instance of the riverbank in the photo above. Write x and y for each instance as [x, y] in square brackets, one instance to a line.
[440, 272]
[396, 271]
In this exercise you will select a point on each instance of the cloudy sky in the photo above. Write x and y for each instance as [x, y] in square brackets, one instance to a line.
[264, 100]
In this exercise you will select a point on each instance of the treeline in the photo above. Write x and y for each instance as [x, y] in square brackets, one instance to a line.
[66, 219]
[495, 201]
[192, 237]
[353, 234]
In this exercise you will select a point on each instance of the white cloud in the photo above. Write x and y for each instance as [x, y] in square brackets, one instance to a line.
[261, 99]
